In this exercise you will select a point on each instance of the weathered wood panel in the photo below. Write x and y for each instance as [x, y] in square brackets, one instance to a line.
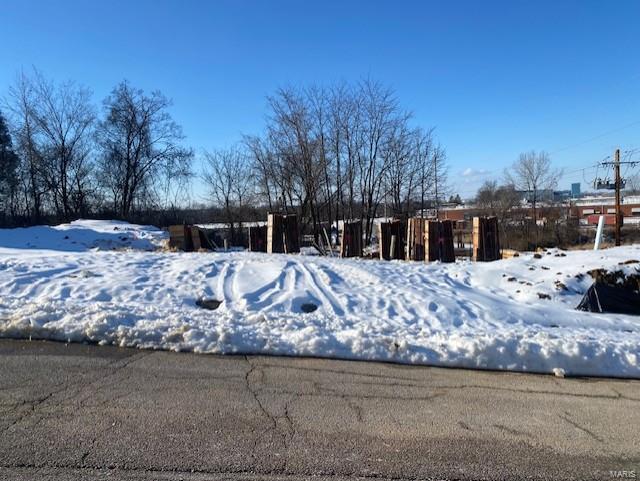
[486, 242]
[447, 250]
[283, 235]
[258, 238]
[195, 238]
[291, 234]
[180, 237]
[416, 239]
[351, 244]
[439, 241]
[391, 239]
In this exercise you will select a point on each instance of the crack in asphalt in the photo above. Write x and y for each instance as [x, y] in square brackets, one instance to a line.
[33, 406]
[254, 393]
[580, 427]
[285, 429]
[277, 419]
[273, 420]
[67, 385]
[413, 384]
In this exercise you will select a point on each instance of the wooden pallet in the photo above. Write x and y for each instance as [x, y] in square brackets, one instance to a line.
[391, 239]
[283, 236]
[486, 240]
[439, 241]
[180, 237]
[416, 239]
[258, 238]
[351, 244]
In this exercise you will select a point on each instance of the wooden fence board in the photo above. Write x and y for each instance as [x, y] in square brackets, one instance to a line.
[416, 239]
[351, 243]
[486, 241]
[180, 237]
[283, 235]
[195, 238]
[447, 251]
[258, 238]
[439, 241]
[292, 234]
[392, 235]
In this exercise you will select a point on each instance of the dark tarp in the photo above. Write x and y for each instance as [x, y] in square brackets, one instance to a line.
[614, 299]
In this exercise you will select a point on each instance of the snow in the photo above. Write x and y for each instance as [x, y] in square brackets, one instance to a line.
[83, 234]
[515, 314]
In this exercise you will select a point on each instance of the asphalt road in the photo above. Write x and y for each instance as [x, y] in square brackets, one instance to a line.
[89, 412]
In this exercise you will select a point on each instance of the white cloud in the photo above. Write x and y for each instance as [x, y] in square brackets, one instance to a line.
[471, 172]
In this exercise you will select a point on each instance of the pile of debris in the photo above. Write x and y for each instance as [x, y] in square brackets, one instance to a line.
[616, 292]
[190, 238]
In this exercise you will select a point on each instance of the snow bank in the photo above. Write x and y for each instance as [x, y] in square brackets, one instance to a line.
[82, 235]
[515, 314]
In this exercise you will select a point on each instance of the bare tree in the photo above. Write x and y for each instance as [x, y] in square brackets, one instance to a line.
[53, 130]
[293, 133]
[140, 148]
[440, 175]
[64, 119]
[262, 160]
[228, 178]
[533, 174]
[487, 198]
[633, 185]
[496, 199]
[337, 153]
[21, 105]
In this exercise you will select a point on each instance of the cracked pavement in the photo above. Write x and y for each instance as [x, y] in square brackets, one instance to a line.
[90, 412]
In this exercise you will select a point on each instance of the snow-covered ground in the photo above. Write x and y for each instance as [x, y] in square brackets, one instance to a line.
[62, 283]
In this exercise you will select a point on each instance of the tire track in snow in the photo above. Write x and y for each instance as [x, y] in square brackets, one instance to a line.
[225, 288]
[319, 288]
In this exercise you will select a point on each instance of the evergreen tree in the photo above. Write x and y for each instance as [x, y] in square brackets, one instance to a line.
[9, 161]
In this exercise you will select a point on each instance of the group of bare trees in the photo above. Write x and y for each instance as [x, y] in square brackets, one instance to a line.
[333, 153]
[527, 185]
[69, 160]
[346, 151]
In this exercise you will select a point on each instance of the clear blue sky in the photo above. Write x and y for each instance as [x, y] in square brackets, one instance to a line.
[494, 78]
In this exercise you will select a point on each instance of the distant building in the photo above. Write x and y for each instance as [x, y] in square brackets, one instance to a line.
[561, 195]
[575, 190]
[589, 209]
[542, 195]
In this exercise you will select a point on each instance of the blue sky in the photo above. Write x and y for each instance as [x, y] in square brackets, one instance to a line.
[494, 78]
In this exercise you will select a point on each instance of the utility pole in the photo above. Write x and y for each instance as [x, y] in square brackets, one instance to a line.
[618, 181]
[618, 184]
[436, 179]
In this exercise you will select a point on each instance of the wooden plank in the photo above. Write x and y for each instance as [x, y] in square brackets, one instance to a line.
[180, 237]
[416, 239]
[258, 238]
[195, 238]
[351, 242]
[388, 230]
[275, 231]
[439, 241]
[291, 238]
[382, 230]
[283, 235]
[486, 242]
[447, 252]
[431, 234]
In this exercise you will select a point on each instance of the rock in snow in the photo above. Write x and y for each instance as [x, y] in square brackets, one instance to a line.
[95, 286]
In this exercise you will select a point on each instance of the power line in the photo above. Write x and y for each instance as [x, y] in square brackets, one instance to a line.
[596, 137]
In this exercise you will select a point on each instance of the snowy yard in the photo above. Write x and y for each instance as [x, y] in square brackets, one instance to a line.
[108, 282]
